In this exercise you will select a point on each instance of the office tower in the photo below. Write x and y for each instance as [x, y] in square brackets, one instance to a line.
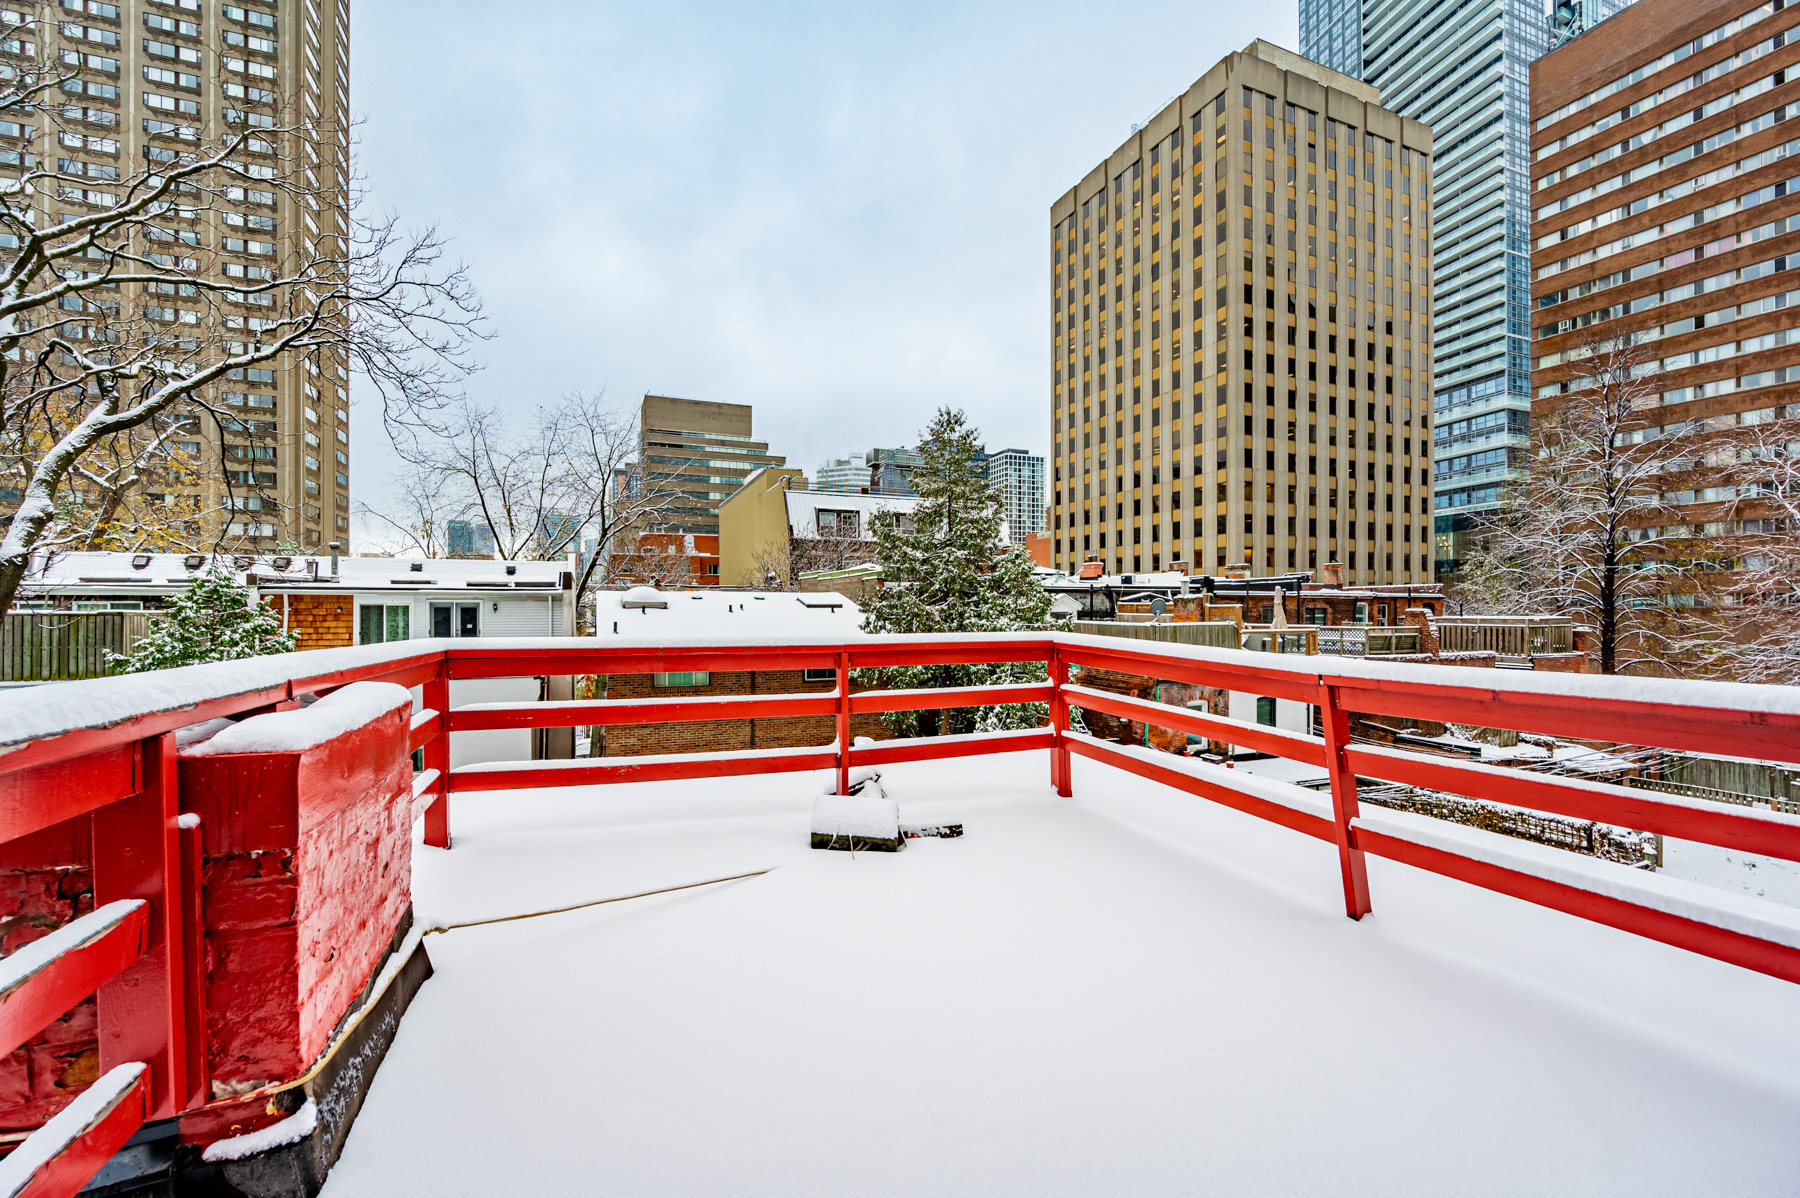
[1019, 477]
[891, 470]
[1667, 205]
[1274, 223]
[697, 453]
[844, 474]
[144, 82]
[1461, 69]
[1569, 19]
[470, 538]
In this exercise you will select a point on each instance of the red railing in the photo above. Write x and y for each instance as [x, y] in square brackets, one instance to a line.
[139, 948]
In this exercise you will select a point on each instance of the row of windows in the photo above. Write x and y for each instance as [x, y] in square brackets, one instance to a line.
[1711, 37]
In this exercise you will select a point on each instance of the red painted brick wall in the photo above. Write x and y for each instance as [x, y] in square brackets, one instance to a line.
[46, 880]
[307, 874]
[305, 879]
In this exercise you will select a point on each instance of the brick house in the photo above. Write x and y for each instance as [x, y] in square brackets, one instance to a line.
[674, 616]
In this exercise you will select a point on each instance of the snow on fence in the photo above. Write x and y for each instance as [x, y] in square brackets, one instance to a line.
[106, 750]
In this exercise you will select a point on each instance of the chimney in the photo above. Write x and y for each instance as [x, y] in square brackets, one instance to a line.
[1331, 574]
[334, 559]
[1237, 570]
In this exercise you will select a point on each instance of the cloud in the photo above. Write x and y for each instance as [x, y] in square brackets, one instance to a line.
[838, 213]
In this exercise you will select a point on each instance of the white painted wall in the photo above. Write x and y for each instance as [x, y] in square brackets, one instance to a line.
[1289, 715]
[506, 744]
[519, 615]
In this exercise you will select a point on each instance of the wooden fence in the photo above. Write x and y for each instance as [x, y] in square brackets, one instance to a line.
[1518, 639]
[45, 646]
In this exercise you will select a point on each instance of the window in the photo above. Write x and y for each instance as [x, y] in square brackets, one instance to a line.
[455, 619]
[1265, 710]
[682, 678]
[825, 675]
[838, 524]
[384, 622]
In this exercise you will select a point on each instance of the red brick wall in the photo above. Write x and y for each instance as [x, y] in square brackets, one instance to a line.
[718, 735]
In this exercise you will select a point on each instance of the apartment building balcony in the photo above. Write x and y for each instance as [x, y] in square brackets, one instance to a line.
[1464, 478]
[1463, 443]
[1131, 974]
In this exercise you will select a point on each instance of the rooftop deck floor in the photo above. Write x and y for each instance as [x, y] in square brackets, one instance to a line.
[1130, 992]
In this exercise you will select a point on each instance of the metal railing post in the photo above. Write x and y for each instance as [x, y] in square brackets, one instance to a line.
[1336, 722]
[437, 757]
[1059, 725]
[843, 723]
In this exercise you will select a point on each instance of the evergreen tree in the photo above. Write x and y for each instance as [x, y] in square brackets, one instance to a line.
[213, 620]
[950, 572]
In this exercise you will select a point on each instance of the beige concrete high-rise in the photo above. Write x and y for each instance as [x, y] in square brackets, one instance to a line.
[697, 453]
[1276, 219]
[150, 80]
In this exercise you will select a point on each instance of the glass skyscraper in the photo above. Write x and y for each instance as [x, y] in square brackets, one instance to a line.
[1462, 70]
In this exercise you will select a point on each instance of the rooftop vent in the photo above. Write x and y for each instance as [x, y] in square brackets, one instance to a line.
[643, 598]
[511, 569]
[140, 561]
[243, 561]
[193, 561]
[281, 563]
[416, 567]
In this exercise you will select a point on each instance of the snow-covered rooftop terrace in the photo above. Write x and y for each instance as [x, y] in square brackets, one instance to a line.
[1133, 991]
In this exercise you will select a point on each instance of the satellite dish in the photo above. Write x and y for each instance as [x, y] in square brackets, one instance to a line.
[1158, 606]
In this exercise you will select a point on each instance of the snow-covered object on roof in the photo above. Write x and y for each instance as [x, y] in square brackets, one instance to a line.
[294, 731]
[165, 573]
[865, 817]
[725, 616]
[644, 596]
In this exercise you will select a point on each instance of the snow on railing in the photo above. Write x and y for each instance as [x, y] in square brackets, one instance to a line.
[106, 749]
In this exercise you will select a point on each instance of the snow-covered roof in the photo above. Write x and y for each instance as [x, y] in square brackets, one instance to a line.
[803, 507]
[1589, 761]
[1155, 579]
[715, 615]
[1282, 769]
[163, 573]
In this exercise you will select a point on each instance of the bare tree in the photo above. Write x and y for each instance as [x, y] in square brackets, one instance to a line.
[562, 479]
[121, 317]
[1600, 527]
[808, 552]
[414, 520]
[658, 565]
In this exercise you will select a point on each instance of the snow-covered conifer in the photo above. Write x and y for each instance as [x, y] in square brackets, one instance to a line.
[952, 571]
[213, 620]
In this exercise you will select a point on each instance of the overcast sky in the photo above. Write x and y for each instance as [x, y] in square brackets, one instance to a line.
[836, 212]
